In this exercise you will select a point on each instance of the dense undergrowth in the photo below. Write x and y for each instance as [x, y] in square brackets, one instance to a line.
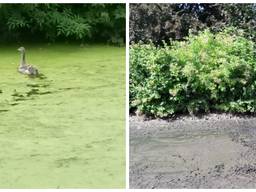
[207, 72]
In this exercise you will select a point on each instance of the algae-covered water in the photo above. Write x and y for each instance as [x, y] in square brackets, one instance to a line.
[66, 128]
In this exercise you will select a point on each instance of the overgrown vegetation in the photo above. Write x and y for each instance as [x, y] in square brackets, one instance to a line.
[58, 22]
[206, 72]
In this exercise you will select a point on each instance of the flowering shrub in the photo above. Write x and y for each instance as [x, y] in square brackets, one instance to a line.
[207, 72]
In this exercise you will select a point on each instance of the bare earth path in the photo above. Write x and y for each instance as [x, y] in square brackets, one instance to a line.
[216, 151]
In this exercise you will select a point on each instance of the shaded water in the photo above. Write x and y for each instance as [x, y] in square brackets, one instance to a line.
[66, 128]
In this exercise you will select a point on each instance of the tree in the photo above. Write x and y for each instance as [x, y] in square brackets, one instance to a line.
[83, 22]
[157, 22]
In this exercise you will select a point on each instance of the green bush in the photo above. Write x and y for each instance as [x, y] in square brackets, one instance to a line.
[207, 72]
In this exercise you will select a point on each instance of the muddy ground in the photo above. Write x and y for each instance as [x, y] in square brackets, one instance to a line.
[215, 151]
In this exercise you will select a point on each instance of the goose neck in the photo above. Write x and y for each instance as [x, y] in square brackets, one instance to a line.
[23, 59]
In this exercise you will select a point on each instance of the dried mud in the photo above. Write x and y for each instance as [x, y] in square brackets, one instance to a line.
[214, 151]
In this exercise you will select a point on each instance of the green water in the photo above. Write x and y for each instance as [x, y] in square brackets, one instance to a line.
[67, 129]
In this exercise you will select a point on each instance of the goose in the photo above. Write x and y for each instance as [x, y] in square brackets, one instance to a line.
[24, 68]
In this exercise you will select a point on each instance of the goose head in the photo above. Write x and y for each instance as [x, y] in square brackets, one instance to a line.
[21, 49]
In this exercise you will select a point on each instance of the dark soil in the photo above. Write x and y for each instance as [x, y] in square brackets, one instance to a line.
[214, 151]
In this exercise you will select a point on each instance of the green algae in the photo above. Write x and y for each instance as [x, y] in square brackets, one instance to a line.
[65, 129]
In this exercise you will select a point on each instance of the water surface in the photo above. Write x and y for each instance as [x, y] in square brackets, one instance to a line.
[66, 128]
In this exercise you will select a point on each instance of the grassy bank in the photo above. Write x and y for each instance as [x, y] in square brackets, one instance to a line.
[65, 130]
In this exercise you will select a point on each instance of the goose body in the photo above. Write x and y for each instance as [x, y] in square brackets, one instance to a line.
[24, 68]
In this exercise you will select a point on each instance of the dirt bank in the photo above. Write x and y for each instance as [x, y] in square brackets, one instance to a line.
[216, 151]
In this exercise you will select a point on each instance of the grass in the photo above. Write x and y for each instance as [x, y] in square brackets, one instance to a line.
[65, 130]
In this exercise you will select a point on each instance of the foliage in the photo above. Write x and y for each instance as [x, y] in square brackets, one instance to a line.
[206, 72]
[241, 16]
[157, 22]
[83, 22]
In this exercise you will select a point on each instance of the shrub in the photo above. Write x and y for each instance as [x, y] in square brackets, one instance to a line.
[205, 73]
